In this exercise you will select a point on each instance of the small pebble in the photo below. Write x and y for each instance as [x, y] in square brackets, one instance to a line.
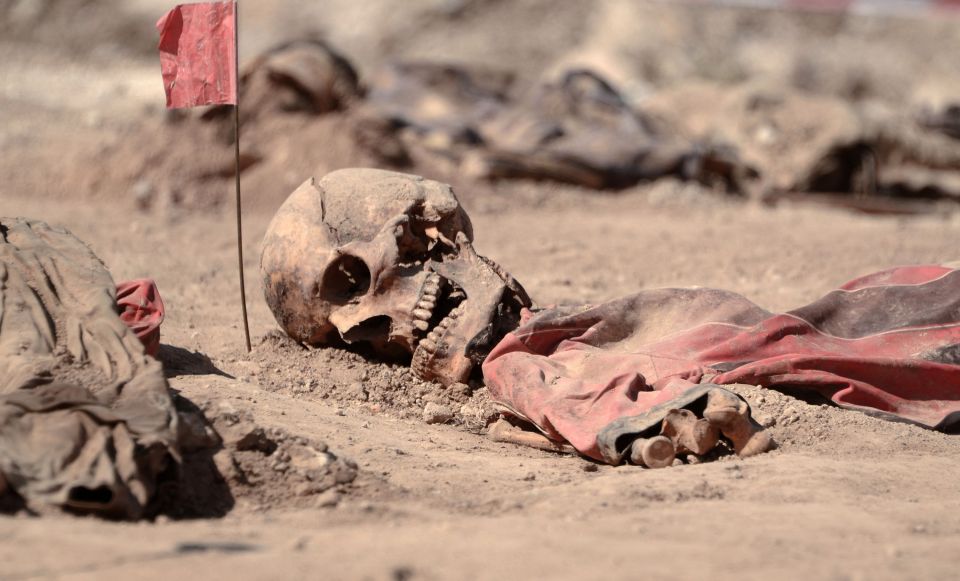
[358, 391]
[328, 499]
[434, 413]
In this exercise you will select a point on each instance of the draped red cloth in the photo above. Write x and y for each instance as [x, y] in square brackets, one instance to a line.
[886, 344]
[141, 308]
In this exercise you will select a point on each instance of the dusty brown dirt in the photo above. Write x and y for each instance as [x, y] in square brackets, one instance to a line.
[845, 496]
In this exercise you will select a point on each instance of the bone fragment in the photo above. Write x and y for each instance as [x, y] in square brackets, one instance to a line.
[656, 452]
[690, 433]
[731, 415]
[422, 313]
[503, 431]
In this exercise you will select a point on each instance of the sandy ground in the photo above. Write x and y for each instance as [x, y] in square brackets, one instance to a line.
[844, 497]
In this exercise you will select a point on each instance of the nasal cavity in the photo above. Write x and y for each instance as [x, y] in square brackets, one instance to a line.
[374, 329]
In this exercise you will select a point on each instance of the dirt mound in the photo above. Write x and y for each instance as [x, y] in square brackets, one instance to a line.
[348, 379]
[104, 25]
[274, 467]
[229, 455]
[190, 163]
[819, 427]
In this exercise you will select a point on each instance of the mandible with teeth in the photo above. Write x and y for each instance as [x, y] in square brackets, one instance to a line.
[384, 262]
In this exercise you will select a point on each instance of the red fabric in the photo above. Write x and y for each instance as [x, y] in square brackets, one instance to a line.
[887, 343]
[141, 308]
[198, 54]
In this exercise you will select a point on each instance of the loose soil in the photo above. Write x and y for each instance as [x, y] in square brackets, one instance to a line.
[330, 469]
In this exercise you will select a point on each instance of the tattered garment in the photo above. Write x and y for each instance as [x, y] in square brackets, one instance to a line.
[887, 344]
[577, 129]
[86, 419]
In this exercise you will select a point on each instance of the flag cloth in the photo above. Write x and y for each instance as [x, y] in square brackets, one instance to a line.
[887, 344]
[198, 54]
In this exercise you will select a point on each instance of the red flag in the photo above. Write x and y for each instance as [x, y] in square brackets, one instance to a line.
[198, 54]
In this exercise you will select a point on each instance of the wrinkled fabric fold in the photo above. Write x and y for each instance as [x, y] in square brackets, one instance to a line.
[886, 344]
[198, 53]
[141, 309]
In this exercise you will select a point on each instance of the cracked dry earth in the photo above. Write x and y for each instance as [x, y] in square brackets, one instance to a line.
[845, 496]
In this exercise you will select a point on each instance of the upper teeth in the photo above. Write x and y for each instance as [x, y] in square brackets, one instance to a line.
[423, 313]
[432, 343]
[427, 303]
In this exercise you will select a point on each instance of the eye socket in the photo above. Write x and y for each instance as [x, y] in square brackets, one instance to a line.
[348, 277]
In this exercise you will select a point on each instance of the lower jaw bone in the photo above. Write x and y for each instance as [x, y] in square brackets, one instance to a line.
[440, 355]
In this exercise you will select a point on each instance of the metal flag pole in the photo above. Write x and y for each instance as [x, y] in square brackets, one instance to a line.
[236, 141]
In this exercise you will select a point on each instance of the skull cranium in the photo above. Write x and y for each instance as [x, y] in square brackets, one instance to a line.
[384, 261]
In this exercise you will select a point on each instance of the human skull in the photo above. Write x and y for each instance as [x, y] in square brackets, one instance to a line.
[384, 262]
